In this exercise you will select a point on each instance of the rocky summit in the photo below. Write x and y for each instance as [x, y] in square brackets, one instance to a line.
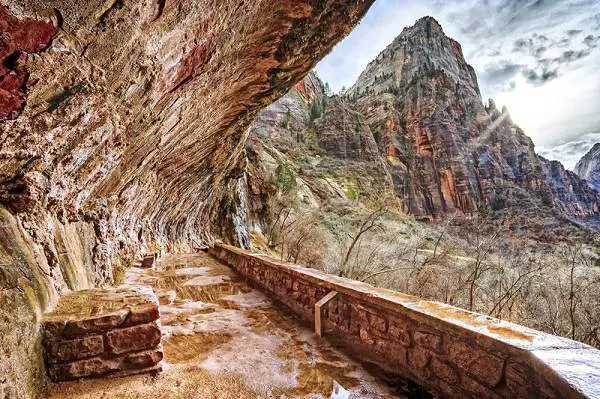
[416, 117]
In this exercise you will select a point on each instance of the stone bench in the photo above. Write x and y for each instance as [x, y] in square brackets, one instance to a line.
[99, 332]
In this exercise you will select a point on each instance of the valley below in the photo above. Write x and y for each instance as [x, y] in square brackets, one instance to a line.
[408, 181]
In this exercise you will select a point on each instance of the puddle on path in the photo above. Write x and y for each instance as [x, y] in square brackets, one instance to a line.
[217, 329]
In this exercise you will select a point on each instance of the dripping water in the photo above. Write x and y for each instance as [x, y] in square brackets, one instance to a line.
[241, 213]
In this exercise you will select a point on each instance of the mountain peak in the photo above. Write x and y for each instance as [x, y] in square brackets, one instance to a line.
[428, 22]
[420, 51]
[427, 27]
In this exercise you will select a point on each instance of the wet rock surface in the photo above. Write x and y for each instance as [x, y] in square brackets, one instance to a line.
[217, 329]
[100, 332]
[452, 352]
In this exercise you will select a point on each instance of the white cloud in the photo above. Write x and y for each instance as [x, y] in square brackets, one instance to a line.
[570, 152]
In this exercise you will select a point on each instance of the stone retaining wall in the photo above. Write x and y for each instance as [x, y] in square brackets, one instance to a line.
[99, 332]
[450, 351]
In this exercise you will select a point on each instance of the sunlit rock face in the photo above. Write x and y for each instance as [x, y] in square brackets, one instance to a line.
[416, 115]
[588, 167]
[123, 126]
[448, 151]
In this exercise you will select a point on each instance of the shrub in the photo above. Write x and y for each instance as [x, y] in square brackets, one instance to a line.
[285, 179]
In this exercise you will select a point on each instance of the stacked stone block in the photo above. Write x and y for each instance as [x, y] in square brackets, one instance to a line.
[103, 332]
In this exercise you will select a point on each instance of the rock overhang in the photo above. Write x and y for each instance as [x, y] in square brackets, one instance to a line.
[130, 129]
[139, 109]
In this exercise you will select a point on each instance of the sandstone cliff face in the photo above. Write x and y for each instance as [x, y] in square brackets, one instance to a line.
[571, 194]
[416, 112]
[283, 121]
[307, 115]
[588, 167]
[342, 133]
[123, 129]
[447, 151]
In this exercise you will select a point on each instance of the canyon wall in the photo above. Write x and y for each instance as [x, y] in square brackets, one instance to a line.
[415, 116]
[123, 130]
[448, 150]
[450, 351]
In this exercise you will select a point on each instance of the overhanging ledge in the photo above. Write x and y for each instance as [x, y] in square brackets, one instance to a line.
[449, 350]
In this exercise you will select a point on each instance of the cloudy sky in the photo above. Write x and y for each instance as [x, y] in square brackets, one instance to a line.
[540, 58]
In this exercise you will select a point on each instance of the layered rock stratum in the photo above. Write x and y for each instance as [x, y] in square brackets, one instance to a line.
[122, 130]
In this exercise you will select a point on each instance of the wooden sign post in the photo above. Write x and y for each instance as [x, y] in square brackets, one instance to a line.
[319, 311]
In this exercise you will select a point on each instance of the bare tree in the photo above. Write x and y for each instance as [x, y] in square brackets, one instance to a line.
[574, 259]
[370, 223]
[281, 222]
[303, 235]
[514, 271]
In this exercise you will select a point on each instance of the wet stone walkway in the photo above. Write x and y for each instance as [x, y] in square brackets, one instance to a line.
[223, 339]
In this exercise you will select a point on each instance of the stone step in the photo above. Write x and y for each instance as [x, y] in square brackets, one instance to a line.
[103, 332]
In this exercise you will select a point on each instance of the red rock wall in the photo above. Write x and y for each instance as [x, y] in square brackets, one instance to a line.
[450, 351]
[20, 38]
[122, 129]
